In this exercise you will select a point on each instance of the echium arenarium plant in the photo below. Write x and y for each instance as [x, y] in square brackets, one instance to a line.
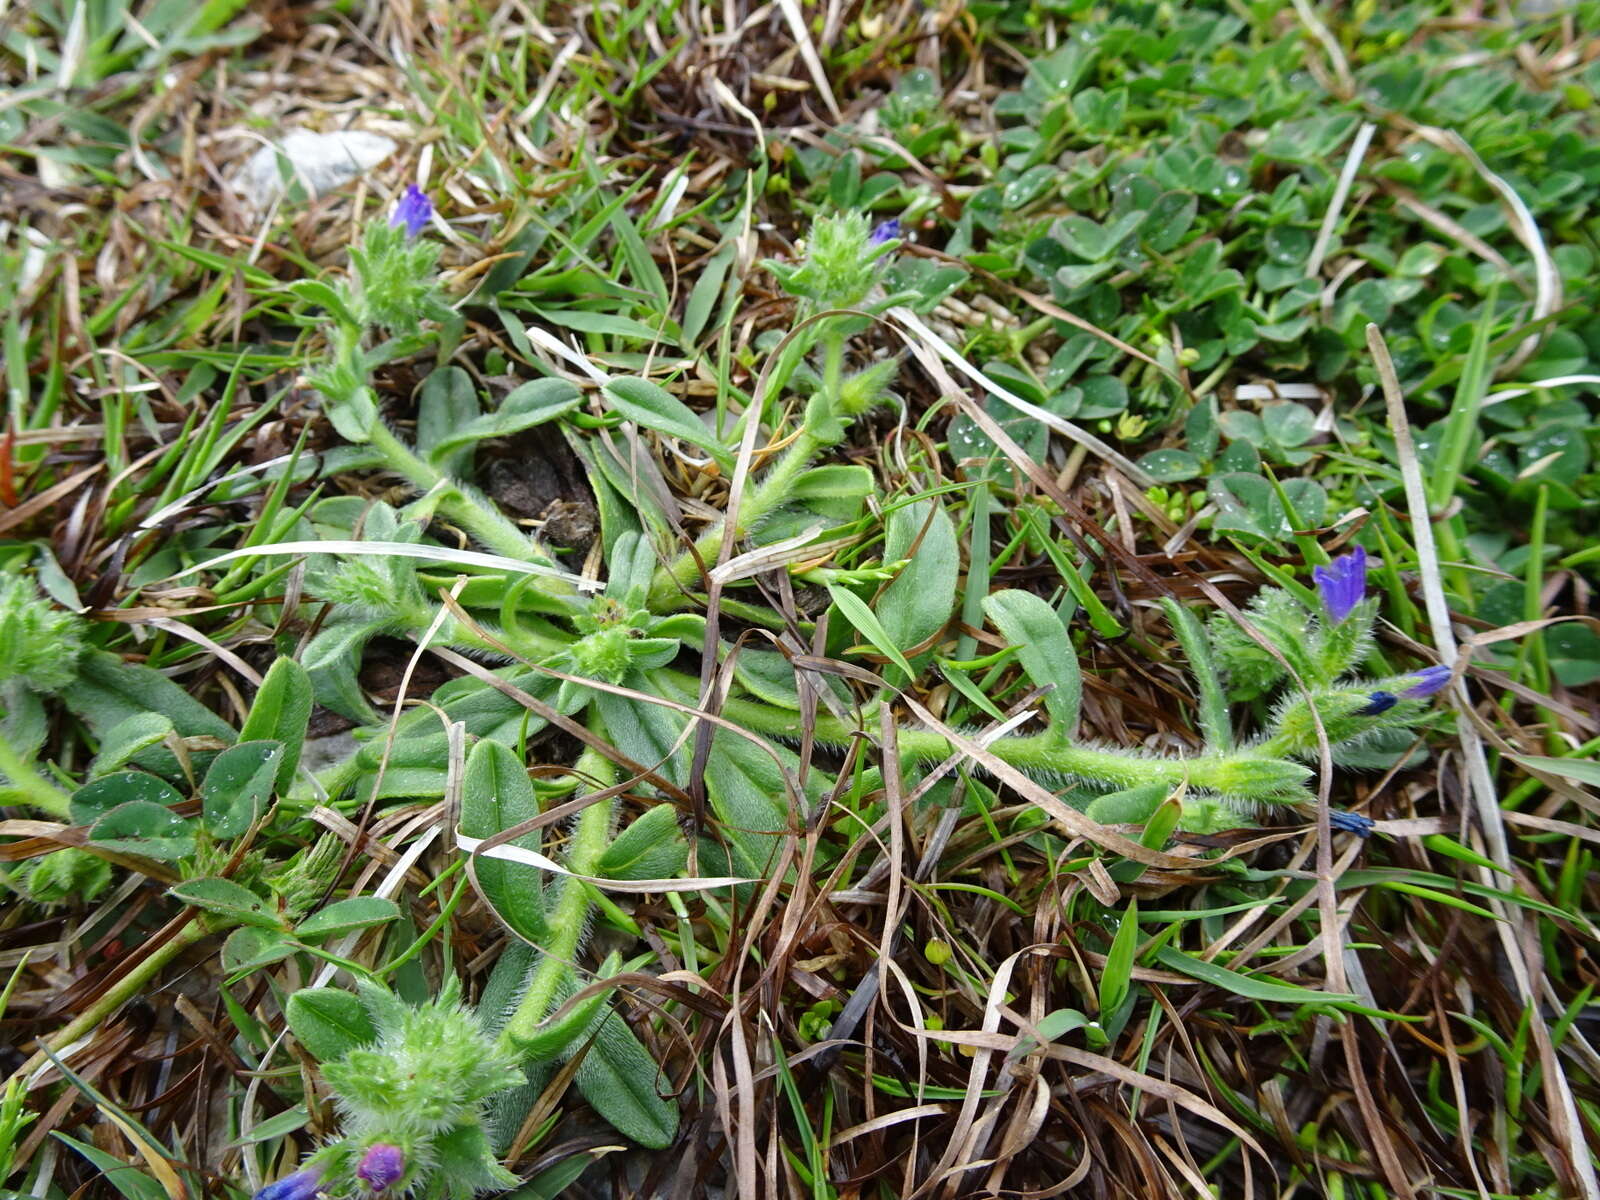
[431, 1095]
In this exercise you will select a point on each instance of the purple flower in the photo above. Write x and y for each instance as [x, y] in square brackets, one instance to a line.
[414, 211]
[1429, 681]
[885, 232]
[1378, 702]
[1343, 583]
[381, 1165]
[302, 1185]
[1349, 822]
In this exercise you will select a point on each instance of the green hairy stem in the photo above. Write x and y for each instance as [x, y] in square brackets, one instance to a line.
[568, 916]
[31, 787]
[482, 521]
[1241, 773]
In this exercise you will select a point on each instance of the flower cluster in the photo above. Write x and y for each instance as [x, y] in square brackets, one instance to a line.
[39, 644]
[413, 1099]
[840, 264]
[1319, 648]
[395, 288]
[397, 273]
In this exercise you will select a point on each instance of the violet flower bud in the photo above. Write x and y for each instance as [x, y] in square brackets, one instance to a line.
[1342, 583]
[414, 211]
[885, 231]
[1378, 702]
[381, 1165]
[302, 1185]
[1349, 822]
[1428, 681]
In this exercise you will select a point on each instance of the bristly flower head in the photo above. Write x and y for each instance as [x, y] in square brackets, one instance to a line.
[885, 231]
[839, 267]
[302, 1185]
[381, 1166]
[414, 211]
[1342, 584]
[39, 643]
[1428, 681]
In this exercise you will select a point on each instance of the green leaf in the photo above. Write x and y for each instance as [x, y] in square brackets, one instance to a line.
[1435, 896]
[653, 847]
[1171, 466]
[1450, 848]
[291, 1121]
[770, 677]
[654, 407]
[127, 738]
[1131, 806]
[328, 1022]
[281, 713]
[1288, 423]
[553, 1182]
[462, 1157]
[606, 324]
[749, 794]
[108, 691]
[631, 565]
[227, 899]
[531, 404]
[496, 794]
[644, 732]
[252, 946]
[131, 1181]
[346, 916]
[447, 403]
[1057, 1024]
[140, 827]
[508, 982]
[238, 787]
[1044, 650]
[1248, 986]
[1214, 721]
[918, 603]
[866, 623]
[1116, 975]
[332, 659]
[618, 1078]
[318, 294]
[93, 800]
[1159, 825]
[1578, 770]
[706, 289]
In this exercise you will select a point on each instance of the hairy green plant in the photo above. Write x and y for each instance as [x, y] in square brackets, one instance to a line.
[606, 661]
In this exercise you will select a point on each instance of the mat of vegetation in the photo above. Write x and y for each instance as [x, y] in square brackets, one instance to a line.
[852, 600]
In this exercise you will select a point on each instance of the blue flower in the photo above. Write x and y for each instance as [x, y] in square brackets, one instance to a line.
[1378, 702]
[302, 1185]
[1429, 681]
[887, 231]
[1343, 583]
[414, 211]
[381, 1165]
[1349, 822]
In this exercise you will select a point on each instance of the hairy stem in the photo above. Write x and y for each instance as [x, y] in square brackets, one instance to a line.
[482, 520]
[32, 787]
[1244, 773]
[129, 986]
[568, 916]
[772, 491]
